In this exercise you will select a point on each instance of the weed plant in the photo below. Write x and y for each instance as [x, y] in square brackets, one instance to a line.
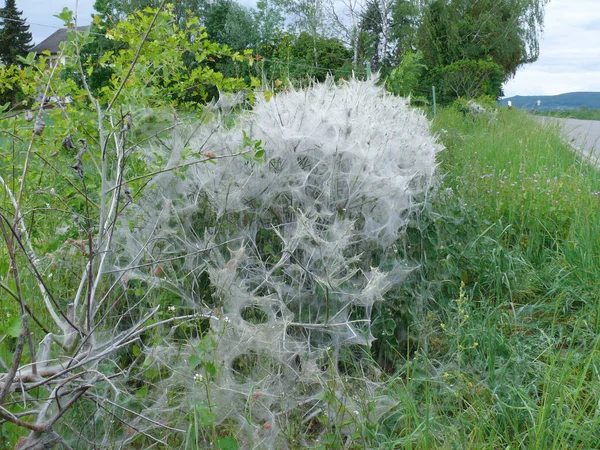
[499, 351]
[297, 242]
[508, 350]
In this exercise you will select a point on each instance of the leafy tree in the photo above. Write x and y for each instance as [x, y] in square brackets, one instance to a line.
[333, 57]
[293, 58]
[346, 15]
[389, 31]
[308, 16]
[268, 20]
[15, 38]
[229, 23]
[464, 41]
[370, 27]
[10, 84]
[470, 79]
[405, 15]
[507, 32]
[114, 11]
[404, 79]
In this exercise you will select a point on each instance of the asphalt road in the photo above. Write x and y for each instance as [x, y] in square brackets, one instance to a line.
[584, 135]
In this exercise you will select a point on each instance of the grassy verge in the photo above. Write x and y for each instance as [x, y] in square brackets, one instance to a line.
[502, 321]
[581, 114]
[509, 355]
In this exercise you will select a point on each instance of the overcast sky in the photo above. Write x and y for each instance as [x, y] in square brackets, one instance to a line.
[39, 15]
[569, 51]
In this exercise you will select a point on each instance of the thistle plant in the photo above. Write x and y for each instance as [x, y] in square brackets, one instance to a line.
[283, 245]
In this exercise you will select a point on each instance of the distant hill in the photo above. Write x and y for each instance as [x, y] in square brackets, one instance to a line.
[572, 100]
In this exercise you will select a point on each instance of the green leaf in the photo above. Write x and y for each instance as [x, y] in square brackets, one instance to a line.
[227, 443]
[142, 392]
[194, 361]
[205, 416]
[27, 61]
[152, 374]
[147, 362]
[210, 369]
[66, 15]
[13, 328]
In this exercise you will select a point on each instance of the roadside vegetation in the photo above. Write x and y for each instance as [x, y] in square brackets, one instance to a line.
[197, 255]
[513, 343]
[580, 113]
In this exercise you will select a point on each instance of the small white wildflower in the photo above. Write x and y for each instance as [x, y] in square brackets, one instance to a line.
[198, 378]
[171, 308]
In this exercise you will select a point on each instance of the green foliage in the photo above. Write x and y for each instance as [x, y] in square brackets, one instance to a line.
[404, 25]
[268, 19]
[115, 11]
[370, 28]
[15, 38]
[471, 48]
[507, 348]
[507, 32]
[580, 113]
[67, 171]
[171, 67]
[404, 79]
[229, 23]
[294, 59]
[469, 79]
[10, 84]
[176, 64]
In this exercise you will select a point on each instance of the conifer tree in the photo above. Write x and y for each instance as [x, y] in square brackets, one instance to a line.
[15, 38]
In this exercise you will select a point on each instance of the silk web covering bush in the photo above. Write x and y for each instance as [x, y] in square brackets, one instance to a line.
[284, 258]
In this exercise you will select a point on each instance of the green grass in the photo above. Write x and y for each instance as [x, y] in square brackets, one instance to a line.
[581, 114]
[509, 354]
[503, 315]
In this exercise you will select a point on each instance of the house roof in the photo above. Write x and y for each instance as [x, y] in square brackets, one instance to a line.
[51, 42]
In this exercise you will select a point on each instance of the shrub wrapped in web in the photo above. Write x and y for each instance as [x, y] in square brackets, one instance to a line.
[286, 256]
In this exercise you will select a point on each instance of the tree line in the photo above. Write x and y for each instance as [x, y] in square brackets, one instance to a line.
[465, 48]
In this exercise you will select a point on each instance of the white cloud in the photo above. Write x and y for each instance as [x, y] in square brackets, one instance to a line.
[569, 52]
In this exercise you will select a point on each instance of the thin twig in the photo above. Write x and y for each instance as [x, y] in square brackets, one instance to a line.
[142, 416]
[136, 57]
